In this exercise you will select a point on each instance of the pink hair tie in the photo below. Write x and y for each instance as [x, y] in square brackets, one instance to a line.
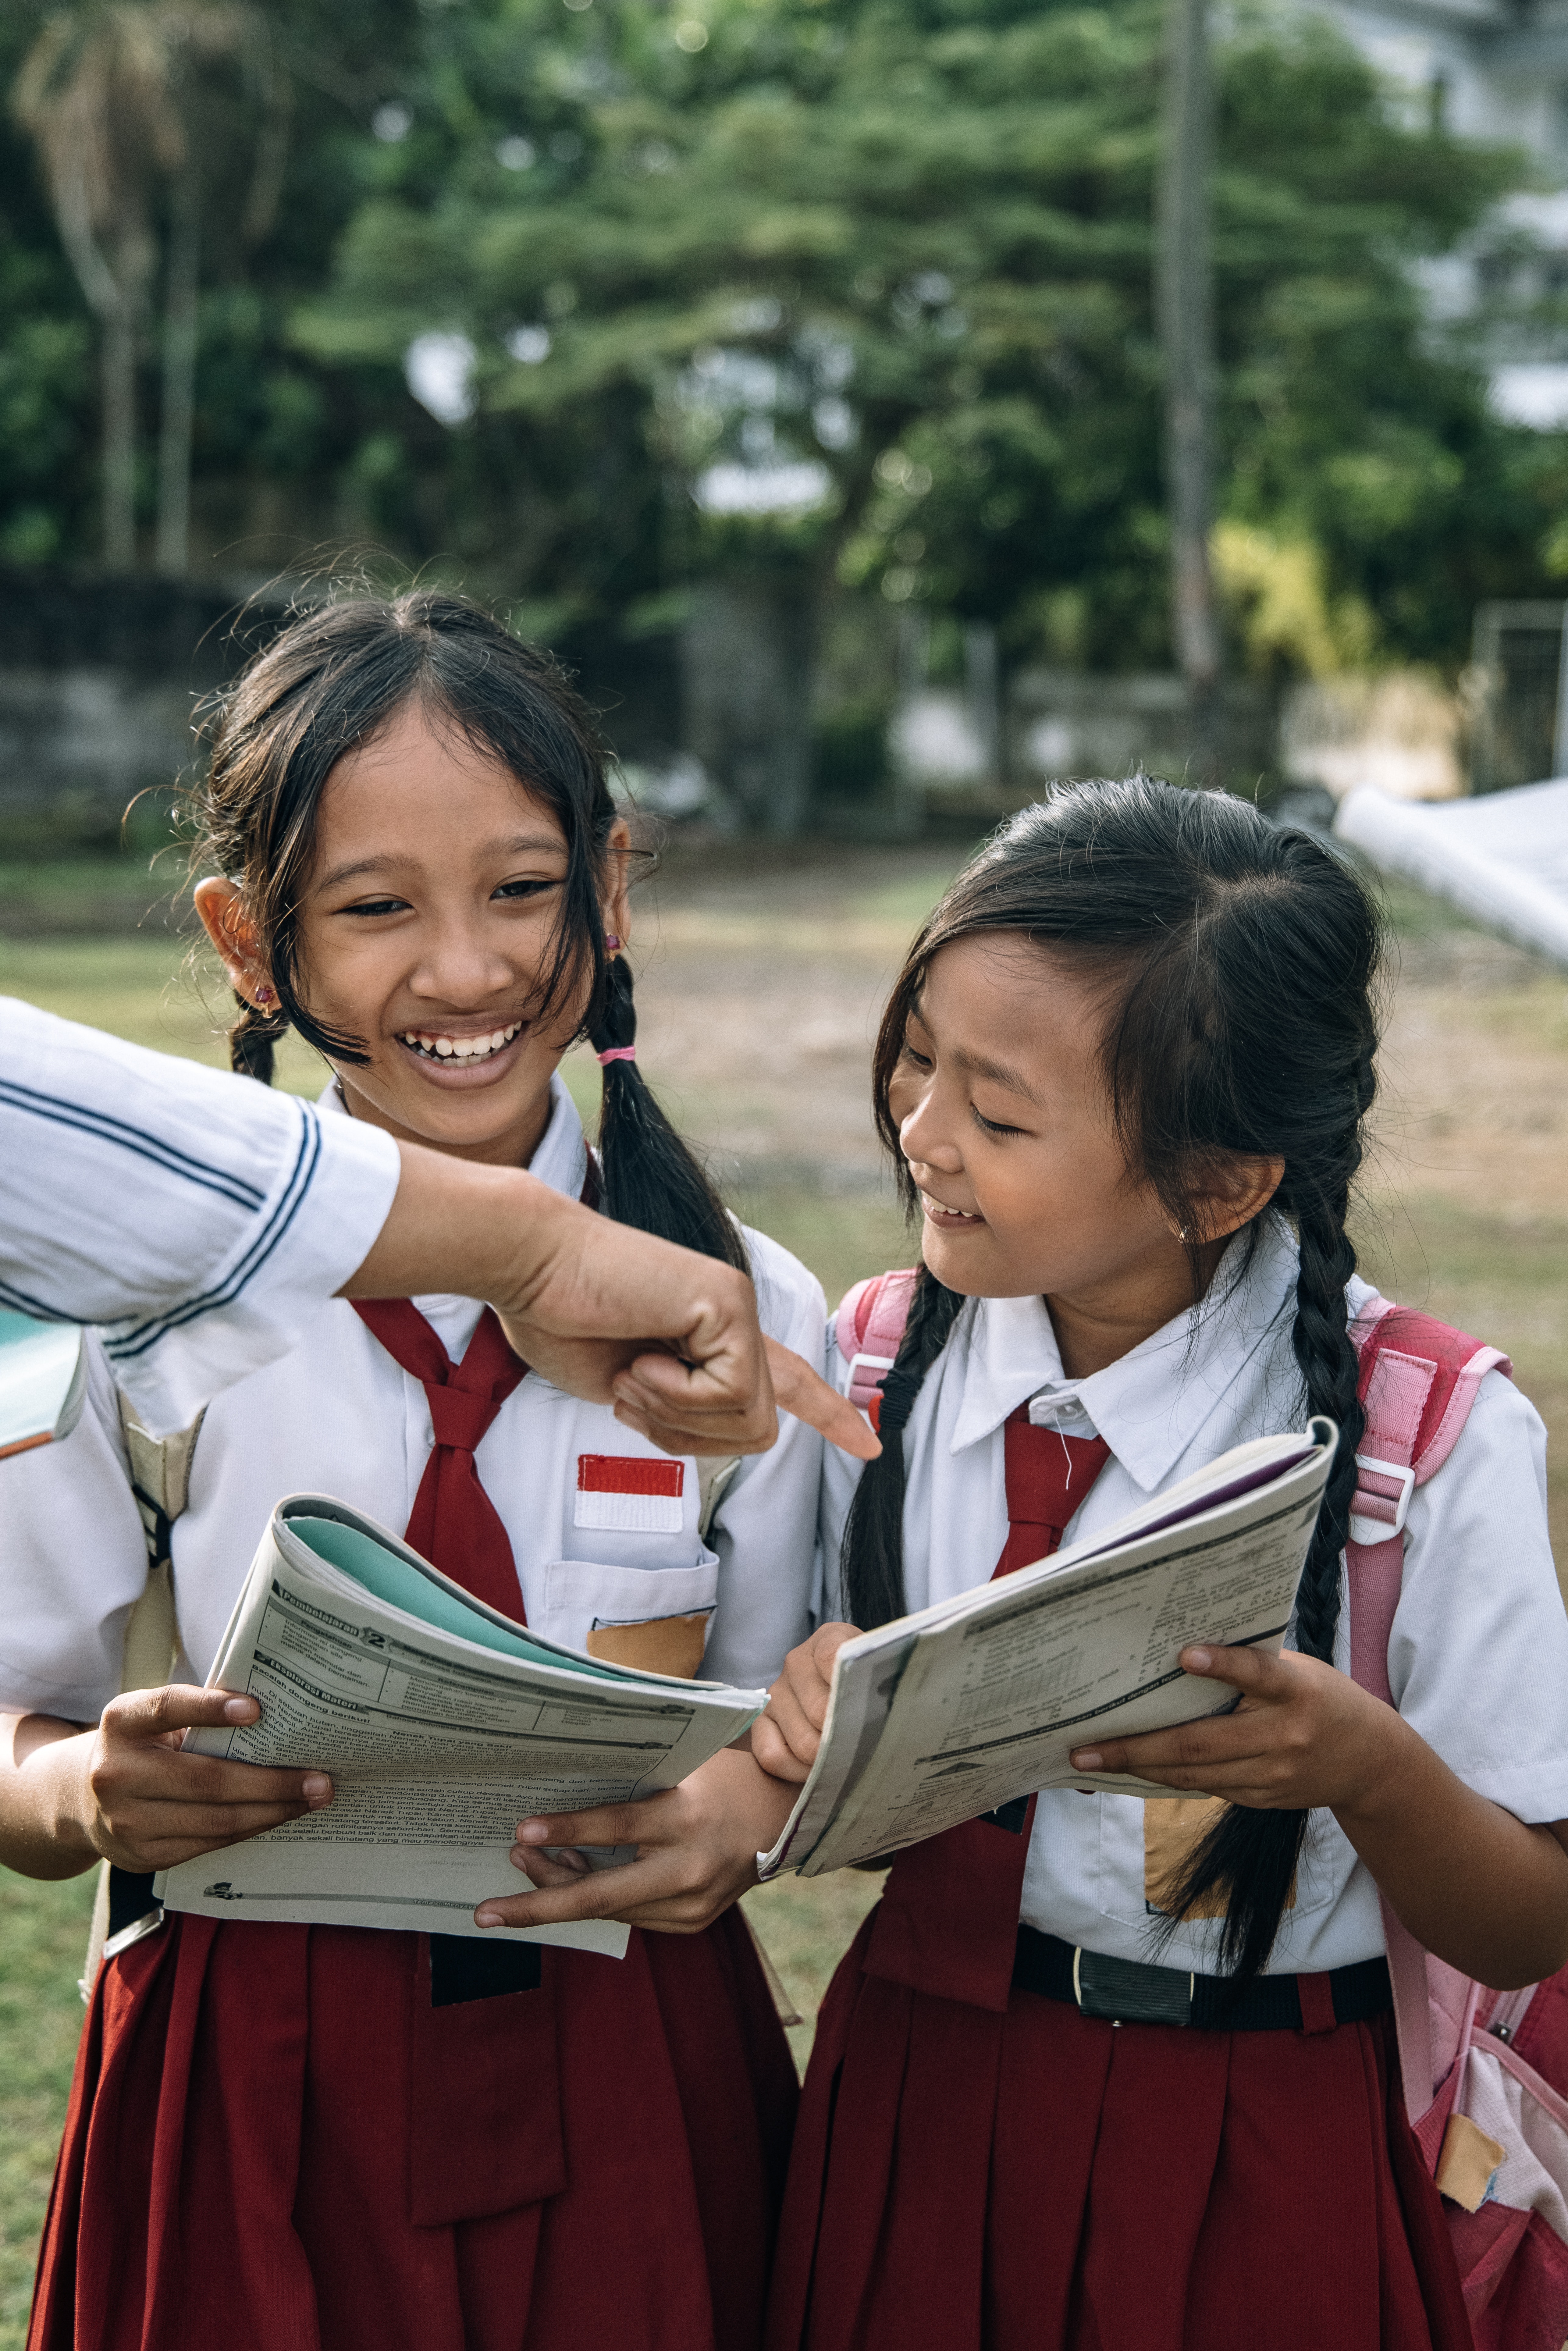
[620, 1053]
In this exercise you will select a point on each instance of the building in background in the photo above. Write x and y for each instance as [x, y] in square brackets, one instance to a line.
[1492, 69]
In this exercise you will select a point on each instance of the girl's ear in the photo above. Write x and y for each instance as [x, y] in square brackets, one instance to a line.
[1233, 1191]
[217, 901]
[614, 890]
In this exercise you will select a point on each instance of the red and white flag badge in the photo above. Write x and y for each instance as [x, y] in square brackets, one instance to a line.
[626, 1496]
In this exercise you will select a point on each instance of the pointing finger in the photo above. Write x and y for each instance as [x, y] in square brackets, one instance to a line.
[808, 1396]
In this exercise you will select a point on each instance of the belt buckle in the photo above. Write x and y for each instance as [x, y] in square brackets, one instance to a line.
[1127, 1991]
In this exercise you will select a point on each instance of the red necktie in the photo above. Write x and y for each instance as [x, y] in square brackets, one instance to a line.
[1049, 1474]
[455, 1524]
[947, 1921]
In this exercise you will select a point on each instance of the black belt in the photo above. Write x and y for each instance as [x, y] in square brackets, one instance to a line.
[1129, 1992]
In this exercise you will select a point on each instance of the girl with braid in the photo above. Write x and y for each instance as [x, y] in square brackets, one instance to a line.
[331, 2138]
[1101, 2073]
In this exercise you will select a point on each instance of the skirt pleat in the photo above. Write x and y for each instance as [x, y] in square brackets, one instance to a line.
[1035, 2179]
[275, 2142]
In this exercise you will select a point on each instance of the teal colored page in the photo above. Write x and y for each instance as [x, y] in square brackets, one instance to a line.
[392, 1580]
[38, 1366]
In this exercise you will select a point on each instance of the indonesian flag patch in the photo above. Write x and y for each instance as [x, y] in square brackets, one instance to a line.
[629, 1496]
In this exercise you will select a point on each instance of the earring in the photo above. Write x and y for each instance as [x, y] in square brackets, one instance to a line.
[611, 942]
[264, 997]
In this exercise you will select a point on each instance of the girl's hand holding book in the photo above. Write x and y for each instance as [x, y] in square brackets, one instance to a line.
[125, 1793]
[696, 1852]
[1482, 1889]
[785, 1741]
[1301, 1735]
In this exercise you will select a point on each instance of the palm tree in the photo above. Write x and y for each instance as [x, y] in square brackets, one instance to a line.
[115, 94]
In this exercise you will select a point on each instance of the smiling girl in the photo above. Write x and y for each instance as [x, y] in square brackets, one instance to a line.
[324, 2137]
[1107, 2074]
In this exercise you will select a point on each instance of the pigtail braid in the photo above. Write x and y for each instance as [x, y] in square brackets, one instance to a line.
[1330, 1370]
[870, 1562]
[253, 1038]
[1254, 1855]
[650, 1180]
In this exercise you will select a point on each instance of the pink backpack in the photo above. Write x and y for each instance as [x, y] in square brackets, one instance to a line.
[1485, 2072]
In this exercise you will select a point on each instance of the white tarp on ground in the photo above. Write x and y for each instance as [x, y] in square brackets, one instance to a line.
[1502, 857]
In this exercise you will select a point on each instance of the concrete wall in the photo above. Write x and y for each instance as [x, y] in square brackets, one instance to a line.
[1060, 723]
[99, 678]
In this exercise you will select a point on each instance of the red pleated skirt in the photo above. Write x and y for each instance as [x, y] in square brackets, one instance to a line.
[274, 2143]
[965, 2180]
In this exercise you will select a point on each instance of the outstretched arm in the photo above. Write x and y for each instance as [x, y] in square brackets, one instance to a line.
[669, 1337]
[1482, 1889]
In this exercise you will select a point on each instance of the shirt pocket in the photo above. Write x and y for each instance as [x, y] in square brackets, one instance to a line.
[653, 1619]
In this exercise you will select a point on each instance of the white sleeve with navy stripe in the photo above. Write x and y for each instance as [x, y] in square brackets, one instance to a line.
[605, 1530]
[197, 1218]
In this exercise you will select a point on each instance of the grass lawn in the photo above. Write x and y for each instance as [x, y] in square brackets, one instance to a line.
[43, 1943]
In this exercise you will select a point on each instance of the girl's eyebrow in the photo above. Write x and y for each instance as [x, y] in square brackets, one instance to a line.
[998, 1071]
[518, 844]
[977, 1063]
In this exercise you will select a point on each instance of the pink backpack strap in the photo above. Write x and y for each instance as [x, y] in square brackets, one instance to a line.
[1419, 1379]
[869, 1327]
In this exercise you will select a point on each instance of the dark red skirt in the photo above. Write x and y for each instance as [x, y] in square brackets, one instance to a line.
[1036, 2180]
[276, 2142]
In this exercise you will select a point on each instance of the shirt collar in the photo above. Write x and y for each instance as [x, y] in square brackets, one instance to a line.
[1151, 1404]
[560, 1159]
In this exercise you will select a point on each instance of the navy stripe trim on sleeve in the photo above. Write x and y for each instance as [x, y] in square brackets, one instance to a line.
[120, 1136]
[20, 1303]
[129, 1344]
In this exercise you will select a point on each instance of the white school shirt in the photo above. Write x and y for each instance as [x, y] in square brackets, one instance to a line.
[199, 1217]
[1479, 1657]
[336, 1416]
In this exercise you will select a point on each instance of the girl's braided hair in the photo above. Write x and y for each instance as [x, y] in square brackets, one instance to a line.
[1239, 958]
[329, 683]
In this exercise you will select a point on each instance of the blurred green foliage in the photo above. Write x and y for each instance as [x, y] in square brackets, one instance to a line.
[905, 242]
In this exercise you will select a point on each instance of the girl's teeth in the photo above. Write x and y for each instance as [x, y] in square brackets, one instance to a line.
[460, 1048]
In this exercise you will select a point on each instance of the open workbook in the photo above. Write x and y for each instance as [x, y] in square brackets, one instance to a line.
[443, 1725]
[964, 1707]
[43, 1381]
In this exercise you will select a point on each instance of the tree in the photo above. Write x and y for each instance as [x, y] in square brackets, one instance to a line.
[909, 246]
[91, 94]
[1184, 301]
[894, 257]
[142, 140]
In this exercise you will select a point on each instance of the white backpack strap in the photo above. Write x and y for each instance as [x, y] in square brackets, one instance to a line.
[160, 1474]
[714, 1474]
[160, 1481]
